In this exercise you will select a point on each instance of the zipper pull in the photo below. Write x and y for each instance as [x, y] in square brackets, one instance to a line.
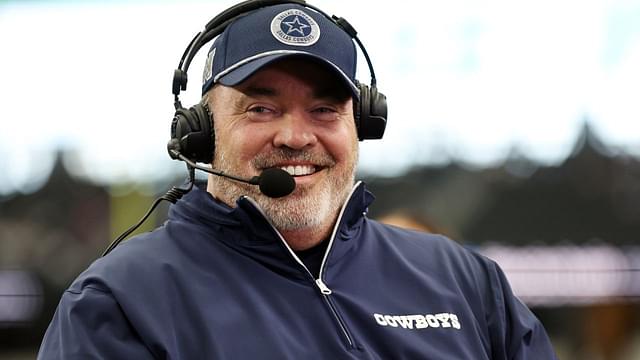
[323, 288]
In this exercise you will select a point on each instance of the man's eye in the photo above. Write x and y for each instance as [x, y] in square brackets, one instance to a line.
[259, 109]
[324, 110]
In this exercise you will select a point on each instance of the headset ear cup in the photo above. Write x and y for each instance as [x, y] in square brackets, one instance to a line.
[179, 127]
[192, 134]
[206, 124]
[372, 111]
[377, 121]
[361, 109]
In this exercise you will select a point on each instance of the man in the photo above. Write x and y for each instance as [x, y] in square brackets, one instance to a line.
[234, 274]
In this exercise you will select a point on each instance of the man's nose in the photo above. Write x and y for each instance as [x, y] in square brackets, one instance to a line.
[296, 131]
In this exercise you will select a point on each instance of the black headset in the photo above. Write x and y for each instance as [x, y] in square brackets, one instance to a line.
[192, 129]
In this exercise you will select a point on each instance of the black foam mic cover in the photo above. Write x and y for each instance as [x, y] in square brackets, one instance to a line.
[275, 183]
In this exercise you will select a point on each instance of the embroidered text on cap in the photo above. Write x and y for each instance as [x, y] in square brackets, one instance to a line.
[295, 27]
[208, 66]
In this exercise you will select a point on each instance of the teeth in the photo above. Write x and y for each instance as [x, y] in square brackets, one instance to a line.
[299, 170]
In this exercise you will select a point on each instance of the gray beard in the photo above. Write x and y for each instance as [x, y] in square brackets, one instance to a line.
[305, 208]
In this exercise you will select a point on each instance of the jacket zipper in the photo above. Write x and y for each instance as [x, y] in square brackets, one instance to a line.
[326, 292]
[324, 289]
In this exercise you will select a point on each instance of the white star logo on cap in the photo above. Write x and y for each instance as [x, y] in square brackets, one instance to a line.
[295, 27]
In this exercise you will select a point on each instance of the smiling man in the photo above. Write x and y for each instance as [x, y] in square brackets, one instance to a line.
[237, 274]
[294, 114]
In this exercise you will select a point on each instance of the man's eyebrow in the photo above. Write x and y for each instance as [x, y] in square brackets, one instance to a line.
[259, 91]
[333, 93]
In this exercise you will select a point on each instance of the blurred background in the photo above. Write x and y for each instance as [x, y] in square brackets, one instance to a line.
[514, 128]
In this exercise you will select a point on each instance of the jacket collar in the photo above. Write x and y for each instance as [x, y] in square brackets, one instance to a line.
[246, 229]
[199, 206]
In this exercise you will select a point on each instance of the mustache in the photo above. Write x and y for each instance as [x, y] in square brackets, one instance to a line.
[284, 155]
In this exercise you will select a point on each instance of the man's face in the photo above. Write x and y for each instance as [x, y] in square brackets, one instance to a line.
[295, 115]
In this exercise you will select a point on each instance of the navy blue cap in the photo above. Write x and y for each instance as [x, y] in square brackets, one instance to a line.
[272, 33]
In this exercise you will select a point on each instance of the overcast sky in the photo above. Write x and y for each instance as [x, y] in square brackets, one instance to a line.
[465, 79]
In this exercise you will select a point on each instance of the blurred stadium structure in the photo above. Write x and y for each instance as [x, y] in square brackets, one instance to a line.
[566, 236]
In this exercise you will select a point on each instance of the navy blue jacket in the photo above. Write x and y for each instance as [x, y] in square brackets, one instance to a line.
[220, 283]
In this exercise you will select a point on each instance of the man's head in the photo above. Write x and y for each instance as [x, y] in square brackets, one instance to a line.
[285, 101]
[294, 115]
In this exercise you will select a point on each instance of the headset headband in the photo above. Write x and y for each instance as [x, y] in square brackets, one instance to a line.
[217, 25]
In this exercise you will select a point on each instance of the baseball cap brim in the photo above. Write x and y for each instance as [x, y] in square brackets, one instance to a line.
[237, 73]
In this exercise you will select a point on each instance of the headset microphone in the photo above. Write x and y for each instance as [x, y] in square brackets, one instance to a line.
[272, 182]
[276, 183]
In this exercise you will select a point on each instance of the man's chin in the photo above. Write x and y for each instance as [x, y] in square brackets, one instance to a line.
[300, 209]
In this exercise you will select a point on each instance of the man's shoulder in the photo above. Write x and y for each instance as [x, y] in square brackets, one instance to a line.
[441, 260]
[423, 246]
[410, 237]
[137, 259]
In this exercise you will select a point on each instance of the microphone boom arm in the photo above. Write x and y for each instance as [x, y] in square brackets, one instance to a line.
[176, 154]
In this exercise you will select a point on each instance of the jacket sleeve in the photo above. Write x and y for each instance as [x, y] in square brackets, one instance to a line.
[521, 334]
[89, 324]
